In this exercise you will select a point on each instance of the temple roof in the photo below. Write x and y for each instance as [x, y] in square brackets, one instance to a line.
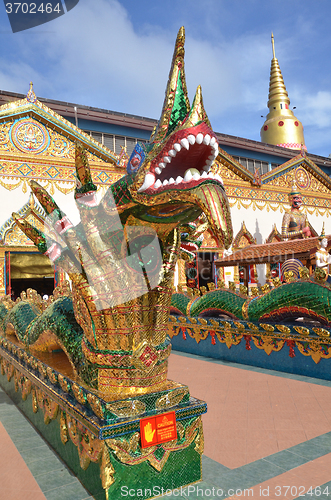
[272, 252]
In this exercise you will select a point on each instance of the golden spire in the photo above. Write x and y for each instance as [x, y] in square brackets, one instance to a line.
[281, 127]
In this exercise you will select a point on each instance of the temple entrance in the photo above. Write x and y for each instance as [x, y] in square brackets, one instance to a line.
[25, 270]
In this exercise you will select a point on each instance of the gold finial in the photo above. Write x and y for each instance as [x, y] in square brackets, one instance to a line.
[294, 189]
[322, 235]
[273, 45]
[31, 96]
[281, 127]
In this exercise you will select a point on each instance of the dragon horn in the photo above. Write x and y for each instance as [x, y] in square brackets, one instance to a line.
[45, 200]
[197, 112]
[36, 236]
[176, 104]
[84, 178]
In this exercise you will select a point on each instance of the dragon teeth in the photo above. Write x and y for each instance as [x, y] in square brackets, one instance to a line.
[206, 168]
[219, 178]
[157, 184]
[196, 176]
[204, 175]
[179, 180]
[212, 141]
[172, 153]
[177, 147]
[167, 159]
[188, 176]
[171, 180]
[206, 139]
[211, 157]
[158, 170]
[161, 165]
[199, 138]
[191, 139]
[165, 182]
[184, 142]
[148, 182]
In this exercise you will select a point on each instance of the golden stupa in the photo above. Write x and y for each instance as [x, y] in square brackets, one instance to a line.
[281, 127]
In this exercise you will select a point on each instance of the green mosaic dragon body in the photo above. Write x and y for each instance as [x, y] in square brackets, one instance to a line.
[303, 298]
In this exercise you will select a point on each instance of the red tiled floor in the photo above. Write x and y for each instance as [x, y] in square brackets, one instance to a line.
[250, 414]
[295, 482]
[16, 481]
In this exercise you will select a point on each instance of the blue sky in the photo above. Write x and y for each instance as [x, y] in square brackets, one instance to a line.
[116, 55]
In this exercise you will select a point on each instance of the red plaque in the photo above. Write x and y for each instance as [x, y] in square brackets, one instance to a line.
[158, 429]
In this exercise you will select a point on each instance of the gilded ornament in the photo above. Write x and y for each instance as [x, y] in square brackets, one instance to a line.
[253, 327]
[95, 404]
[79, 393]
[320, 275]
[302, 330]
[276, 282]
[130, 408]
[304, 273]
[64, 433]
[267, 328]
[321, 332]
[243, 289]
[289, 276]
[283, 329]
[64, 383]
[172, 398]
[240, 327]
[254, 291]
[51, 375]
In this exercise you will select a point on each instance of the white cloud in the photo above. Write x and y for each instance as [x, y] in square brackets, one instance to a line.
[94, 55]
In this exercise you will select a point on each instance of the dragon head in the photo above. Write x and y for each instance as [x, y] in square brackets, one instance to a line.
[172, 178]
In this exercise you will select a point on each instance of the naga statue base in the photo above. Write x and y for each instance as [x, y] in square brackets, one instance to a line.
[98, 440]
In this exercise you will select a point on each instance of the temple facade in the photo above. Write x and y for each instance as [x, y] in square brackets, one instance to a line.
[37, 141]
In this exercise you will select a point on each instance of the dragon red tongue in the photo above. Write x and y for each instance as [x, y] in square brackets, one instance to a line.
[214, 203]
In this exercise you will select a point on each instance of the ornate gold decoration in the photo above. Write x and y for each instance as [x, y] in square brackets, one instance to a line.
[127, 408]
[95, 404]
[321, 332]
[283, 329]
[171, 399]
[302, 330]
[243, 289]
[267, 328]
[276, 282]
[304, 273]
[320, 275]
[267, 344]
[79, 393]
[125, 449]
[289, 276]
[265, 288]
[64, 433]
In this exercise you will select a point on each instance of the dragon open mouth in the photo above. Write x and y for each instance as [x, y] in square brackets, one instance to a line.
[184, 162]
